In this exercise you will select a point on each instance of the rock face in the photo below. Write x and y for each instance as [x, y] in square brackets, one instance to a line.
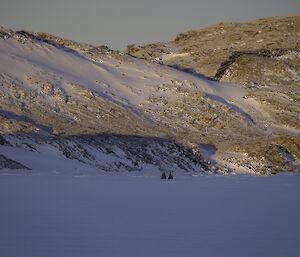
[115, 112]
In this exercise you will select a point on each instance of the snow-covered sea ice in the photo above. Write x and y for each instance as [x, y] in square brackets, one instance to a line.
[141, 215]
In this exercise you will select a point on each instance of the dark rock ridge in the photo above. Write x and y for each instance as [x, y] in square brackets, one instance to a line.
[110, 152]
[6, 163]
[259, 53]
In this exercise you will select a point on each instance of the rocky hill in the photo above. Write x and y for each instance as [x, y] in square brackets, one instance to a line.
[262, 56]
[170, 109]
[210, 51]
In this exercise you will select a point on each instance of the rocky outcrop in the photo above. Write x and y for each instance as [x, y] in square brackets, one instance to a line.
[224, 66]
[209, 47]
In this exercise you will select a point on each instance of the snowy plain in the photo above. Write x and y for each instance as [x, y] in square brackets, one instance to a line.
[133, 214]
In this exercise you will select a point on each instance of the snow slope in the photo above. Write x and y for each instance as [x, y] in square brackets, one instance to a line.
[133, 81]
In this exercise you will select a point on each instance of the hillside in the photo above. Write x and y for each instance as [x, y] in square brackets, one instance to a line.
[77, 104]
[261, 56]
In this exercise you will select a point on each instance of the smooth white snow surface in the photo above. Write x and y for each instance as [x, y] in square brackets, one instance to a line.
[131, 82]
[133, 215]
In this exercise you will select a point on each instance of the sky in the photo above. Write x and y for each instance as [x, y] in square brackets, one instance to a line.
[117, 23]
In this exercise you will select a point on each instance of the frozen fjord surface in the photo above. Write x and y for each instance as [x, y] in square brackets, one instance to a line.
[116, 215]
